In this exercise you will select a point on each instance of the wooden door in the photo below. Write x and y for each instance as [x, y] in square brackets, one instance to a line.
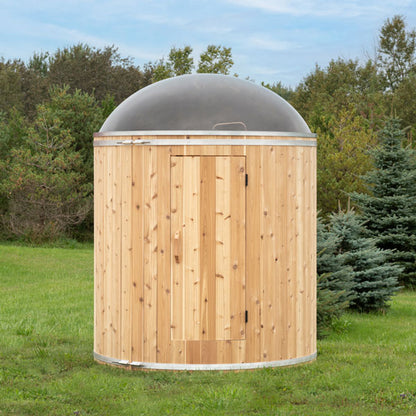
[208, 208]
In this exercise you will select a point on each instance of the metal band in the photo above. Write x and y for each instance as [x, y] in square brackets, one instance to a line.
[206, 142]
[204, 367]
[203, 133]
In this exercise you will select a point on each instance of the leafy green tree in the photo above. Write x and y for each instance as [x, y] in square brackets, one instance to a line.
[108, 105]
[343, 103]
[389, 207]
[374, 279]
[343, 83]
[45, 184]
[181, 60]
[284, 92]
[396, 51]
[99, 72]
[161, 70]
[342, 158]
[11, 85]
[20, 87]
[405, 105]
[95, 71]
[215, 60]
[13, 128]
[39, 63]
[80, 114]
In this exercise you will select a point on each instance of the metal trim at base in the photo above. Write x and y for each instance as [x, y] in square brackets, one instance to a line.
[204, 367]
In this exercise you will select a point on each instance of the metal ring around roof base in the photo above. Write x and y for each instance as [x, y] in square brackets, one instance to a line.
[204, 133]
[205, 142]
[203, 367]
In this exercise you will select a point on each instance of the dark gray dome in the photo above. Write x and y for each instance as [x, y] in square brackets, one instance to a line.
[205, 102]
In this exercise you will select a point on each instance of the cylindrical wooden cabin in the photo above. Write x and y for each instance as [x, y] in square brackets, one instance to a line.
[205, 229]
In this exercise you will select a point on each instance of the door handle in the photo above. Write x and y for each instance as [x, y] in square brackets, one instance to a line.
[177, 247]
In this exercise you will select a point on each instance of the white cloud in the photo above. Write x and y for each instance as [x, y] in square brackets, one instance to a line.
[63, 36]
[348, 8]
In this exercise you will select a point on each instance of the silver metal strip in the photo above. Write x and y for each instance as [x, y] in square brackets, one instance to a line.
[205, 367]
[206, 142]
[203, 133]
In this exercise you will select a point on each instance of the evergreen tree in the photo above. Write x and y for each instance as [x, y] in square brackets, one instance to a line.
[13, 129]
[45, 184]
[389, 210]
[334, 284]
[374, 279]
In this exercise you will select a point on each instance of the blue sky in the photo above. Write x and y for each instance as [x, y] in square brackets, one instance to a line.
[271, 40]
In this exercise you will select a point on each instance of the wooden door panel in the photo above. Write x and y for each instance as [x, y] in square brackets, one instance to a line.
[208, 247]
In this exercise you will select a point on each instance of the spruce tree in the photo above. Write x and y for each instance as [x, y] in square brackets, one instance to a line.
[389, 209]
[334, 282]
[374, 279]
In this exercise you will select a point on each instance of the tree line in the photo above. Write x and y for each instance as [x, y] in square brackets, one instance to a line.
[363, 111]
[49, 109]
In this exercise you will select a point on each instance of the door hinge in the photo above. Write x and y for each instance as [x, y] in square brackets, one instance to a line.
[246, 179]
[246, 316]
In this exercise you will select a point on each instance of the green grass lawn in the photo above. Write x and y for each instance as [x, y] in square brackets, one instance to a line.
[368, 367]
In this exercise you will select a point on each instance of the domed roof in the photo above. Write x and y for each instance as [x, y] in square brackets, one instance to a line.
[205, 102]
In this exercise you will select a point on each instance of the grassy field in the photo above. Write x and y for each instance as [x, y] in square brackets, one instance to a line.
[366, 367]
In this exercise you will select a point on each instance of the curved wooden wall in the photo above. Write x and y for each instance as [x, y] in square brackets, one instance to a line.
[166, 294]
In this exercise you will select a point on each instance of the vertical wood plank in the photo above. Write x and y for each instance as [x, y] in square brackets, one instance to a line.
[177, 264]
[107, 239]
[209, 352]
[253, 282]
[193, 352]
[312, 255]
[224, 351]
[191, 247]
[307, 242]
[126, 251]
[268, 187]
[150, 255]
[223, 248]
[178, 352]
[308, 259]
[300, 244]
[291, 250]
[207, 245]
[115, 254]
[99, 173]
[137, 295]
[282, 227]
[273, 260]
[163, 256]
[238, 245]
[238, 351]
